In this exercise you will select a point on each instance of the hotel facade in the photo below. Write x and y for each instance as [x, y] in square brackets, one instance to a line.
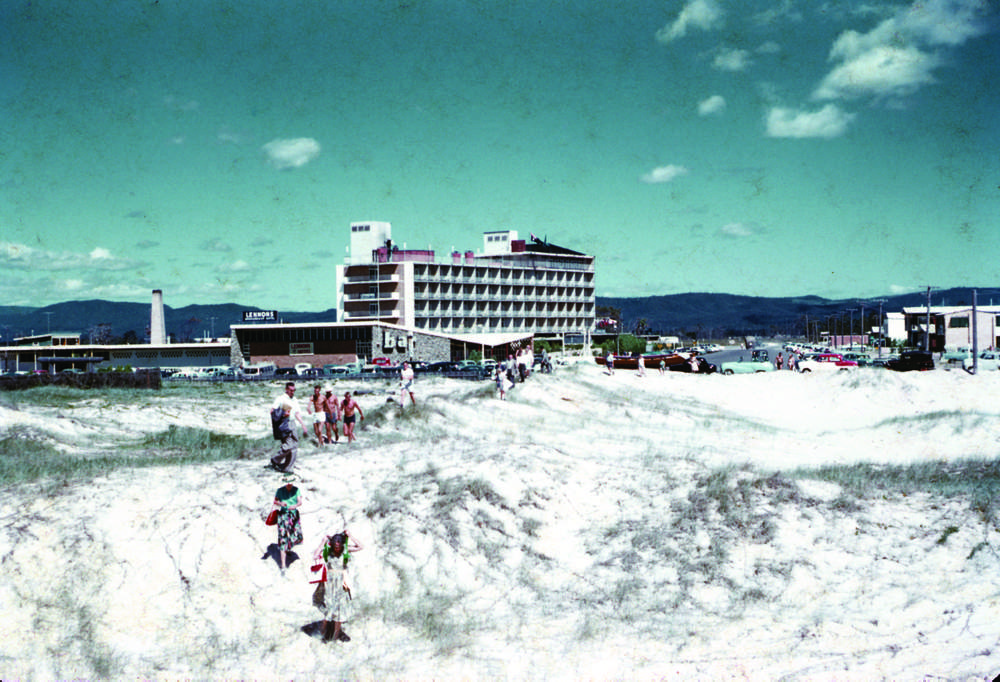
[511, 286]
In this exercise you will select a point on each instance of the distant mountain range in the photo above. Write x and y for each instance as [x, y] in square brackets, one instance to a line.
[704, 314]
[129, 322]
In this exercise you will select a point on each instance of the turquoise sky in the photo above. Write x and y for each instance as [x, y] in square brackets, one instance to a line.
[219, 150]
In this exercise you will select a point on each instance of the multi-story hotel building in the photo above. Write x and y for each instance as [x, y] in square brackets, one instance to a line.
[513, 285]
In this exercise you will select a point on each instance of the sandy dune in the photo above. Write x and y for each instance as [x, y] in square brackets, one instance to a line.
[590, 527]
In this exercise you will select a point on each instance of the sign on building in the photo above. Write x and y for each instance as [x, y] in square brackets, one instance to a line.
[260, 315]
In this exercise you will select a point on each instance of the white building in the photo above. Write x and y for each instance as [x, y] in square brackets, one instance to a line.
[951, 326]
[511, 286]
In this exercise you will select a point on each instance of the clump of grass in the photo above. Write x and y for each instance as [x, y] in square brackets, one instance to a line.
[27, 456]
[977, 478]
[186, 443]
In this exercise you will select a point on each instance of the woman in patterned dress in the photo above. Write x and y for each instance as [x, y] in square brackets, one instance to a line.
[335, 553]
[287, 501]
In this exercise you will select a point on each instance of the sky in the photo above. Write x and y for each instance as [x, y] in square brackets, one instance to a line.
[220, 150]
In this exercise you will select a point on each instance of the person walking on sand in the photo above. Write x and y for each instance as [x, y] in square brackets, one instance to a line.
[640, 366]
[348, 406]
[406, 384]
[317, 408]
[335, 554]
[287, 502]
[609, 362]
[283, 409]
[331, 406]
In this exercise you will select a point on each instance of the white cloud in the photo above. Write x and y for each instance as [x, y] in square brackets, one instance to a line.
[216, 245]
[235, 266]
[737, 230]
[828, 122]
[712, 105]
[881, 71]
[72, 284]
[23, 257]
[894, 58]
[663, 174]
[769, 47]
[702, 14]
[291, 153]
[731, 60]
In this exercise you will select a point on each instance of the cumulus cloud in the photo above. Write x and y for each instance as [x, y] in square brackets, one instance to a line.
[729, 59]
[216, 245]
[828, 122]
[882, 71]
[712, 105]
[235, 266]
[23, 257]
[738, 230]
[293, 153]
[702, 14]
[663, 174]
[896, 57]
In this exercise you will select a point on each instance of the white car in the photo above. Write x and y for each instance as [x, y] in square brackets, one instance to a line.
[989, 360]
[825, 362]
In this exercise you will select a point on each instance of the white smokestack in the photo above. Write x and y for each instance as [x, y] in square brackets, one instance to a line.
[157, 329]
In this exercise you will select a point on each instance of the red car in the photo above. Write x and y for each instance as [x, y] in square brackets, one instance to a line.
[382, 362]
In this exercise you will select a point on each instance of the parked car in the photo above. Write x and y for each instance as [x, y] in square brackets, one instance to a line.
[826, 362]
[956, 356]
[911, 360]
[863, 359]
[285, 372]
[302, 367]
[989, 360]
[704, 367]
[381, 362]
[443, 366]
[759, 362]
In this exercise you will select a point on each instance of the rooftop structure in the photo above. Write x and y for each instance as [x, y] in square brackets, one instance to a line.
[512, 285]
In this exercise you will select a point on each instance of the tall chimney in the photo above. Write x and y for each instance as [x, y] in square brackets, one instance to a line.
[157, 329]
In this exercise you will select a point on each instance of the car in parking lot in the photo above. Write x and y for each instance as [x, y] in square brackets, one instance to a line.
[911, 361]
[759, 362]
[989, 360]
[863, 359]
[825, 362]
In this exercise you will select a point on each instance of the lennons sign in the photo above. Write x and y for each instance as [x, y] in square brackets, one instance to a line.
[260, 315]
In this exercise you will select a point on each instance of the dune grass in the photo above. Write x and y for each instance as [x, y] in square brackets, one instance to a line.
[27, 456]
[975, 479]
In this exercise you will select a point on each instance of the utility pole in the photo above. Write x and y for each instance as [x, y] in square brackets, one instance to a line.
[927, 332]
[881, 328]
[48, 322]
[850, 330]
[975, 336]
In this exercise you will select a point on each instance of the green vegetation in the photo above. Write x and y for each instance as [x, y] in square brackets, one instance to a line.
[976, 479]
[27, 456]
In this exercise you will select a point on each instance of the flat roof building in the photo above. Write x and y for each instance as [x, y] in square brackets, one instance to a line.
[511, 286]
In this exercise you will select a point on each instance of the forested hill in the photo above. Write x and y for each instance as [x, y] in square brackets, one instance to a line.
[704, 314]
[110, 321]
[729, 314]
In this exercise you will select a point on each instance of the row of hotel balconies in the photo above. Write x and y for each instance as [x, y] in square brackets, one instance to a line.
[539, 297]
[528, 278]
[501, 313]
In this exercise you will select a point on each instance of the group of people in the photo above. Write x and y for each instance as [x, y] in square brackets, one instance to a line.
[326, 412]
[515, 369]
[333, 593]
[792, 363]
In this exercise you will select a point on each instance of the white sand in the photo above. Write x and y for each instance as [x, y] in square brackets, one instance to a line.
[563, 534]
